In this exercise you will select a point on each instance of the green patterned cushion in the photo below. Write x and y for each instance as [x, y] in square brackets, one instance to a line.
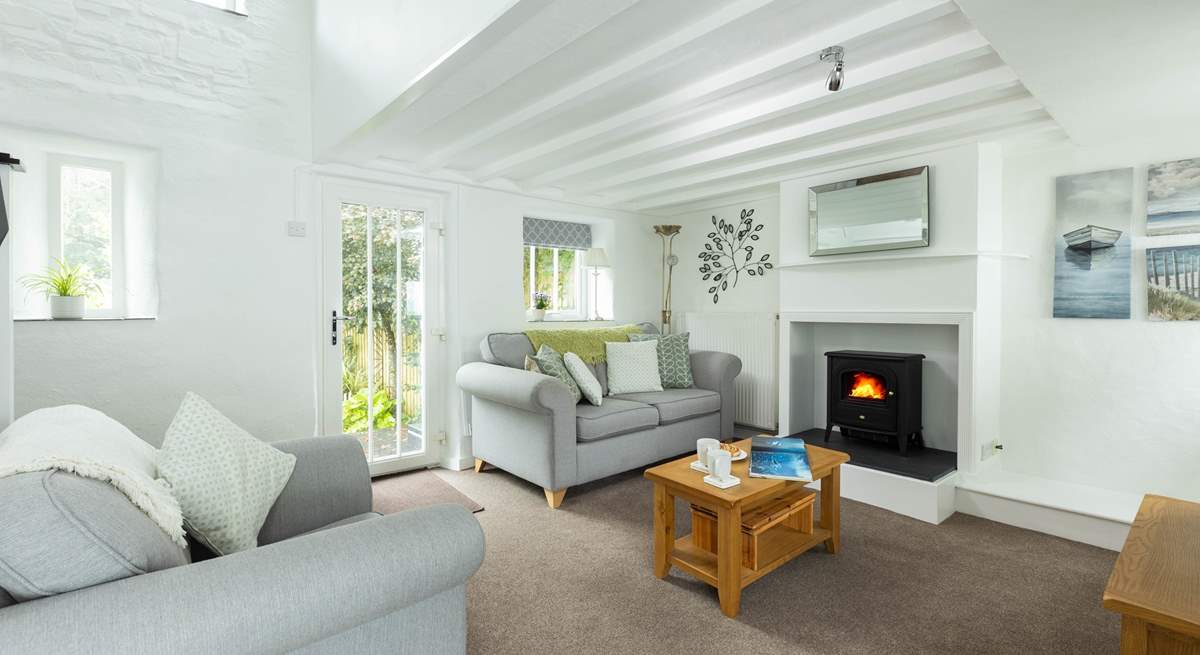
[589, 386]
[632, 367]
[552, 364]
[674, 359]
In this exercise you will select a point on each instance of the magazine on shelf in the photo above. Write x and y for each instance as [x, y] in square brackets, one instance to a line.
[782, 458]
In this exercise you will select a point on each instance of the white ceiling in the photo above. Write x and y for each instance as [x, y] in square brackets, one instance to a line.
[1106, 70]
[664, 105]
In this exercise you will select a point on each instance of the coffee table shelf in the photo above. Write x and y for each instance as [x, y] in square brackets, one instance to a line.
[779, 545]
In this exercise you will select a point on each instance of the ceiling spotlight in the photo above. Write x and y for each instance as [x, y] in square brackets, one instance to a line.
[834, 54]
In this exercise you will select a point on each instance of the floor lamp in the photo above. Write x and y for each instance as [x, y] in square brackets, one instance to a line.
[669, 260]
[596, 259]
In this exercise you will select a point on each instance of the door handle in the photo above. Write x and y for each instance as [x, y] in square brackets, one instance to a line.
[333, 326]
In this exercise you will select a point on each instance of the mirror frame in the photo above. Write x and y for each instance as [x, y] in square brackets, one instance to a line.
[814, 192]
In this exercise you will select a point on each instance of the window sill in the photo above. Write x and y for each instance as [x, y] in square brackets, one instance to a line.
[84, 320]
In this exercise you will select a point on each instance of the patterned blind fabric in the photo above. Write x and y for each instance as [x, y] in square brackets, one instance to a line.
[557, 234]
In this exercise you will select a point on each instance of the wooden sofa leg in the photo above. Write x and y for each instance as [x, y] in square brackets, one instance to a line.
[555, 497]
[479, 464]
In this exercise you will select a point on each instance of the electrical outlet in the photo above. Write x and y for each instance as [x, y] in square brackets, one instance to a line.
[297, 229]
[990, 448]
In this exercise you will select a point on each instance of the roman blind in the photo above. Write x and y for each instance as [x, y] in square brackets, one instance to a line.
[557, 234]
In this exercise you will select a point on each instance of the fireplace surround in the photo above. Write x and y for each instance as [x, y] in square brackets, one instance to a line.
[875, 395]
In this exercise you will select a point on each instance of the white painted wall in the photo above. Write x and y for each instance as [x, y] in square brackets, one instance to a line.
[366, 56]
[752, 294]
[223, 101]
[1109, 403]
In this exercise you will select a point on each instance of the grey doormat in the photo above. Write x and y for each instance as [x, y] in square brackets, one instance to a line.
[405, 491]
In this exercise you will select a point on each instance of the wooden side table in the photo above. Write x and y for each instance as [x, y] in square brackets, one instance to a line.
[1155, 584]
[676, 480]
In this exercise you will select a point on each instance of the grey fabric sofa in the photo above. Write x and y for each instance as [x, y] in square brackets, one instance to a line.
[529, 425]
[329, 576]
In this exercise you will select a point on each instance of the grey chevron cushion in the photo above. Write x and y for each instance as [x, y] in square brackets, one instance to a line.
[674, 359]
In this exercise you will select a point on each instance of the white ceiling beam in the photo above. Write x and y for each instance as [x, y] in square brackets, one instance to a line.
[698, 196]
[865, 77]
[890, 16]
[1005, 108]
[991, 79]
[622, 67]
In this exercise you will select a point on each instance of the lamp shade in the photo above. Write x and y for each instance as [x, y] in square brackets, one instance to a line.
[596, 257]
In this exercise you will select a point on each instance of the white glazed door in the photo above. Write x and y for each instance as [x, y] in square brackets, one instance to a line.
[381, 305]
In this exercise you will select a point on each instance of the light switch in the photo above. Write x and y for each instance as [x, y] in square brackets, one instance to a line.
[297, 229]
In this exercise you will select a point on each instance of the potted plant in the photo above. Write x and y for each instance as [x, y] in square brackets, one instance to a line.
[67, 286]
[541, 302]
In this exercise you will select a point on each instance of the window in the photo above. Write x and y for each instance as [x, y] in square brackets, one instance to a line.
[233, 6]
[553, 265]
[86, 210]
[558, 273]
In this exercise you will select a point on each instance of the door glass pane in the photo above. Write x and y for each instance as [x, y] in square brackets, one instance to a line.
[383, 298]
[355, 411]
[412, 320]
[384, 435]
[86, 211]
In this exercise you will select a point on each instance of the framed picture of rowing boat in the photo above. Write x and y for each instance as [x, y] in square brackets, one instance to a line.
[1173, 283]
[1173, 198]
[1092, 263]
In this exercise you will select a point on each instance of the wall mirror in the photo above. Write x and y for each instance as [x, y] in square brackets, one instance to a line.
[880, 212]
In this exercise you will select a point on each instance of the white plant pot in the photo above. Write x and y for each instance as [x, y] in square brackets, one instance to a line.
[537, 314]
[68, 308]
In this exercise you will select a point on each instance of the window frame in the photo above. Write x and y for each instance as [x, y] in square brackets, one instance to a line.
[55, 163]
[580, 313]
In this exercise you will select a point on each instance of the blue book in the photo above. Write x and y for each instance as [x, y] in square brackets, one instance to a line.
[779, 458]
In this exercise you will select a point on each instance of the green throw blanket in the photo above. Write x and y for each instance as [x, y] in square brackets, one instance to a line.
[587, 343]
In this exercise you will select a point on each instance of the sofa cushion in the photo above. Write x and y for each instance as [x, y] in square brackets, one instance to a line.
[677, 404]
[551, 363]
[63, 532]
[585, 378]
[225, 479]
[633, 367]
[674, 359]
[613, 418]
[506, 348]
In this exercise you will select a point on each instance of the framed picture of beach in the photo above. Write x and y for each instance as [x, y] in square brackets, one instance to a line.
[1092, 265]
[1173, 283]
[1173, 198]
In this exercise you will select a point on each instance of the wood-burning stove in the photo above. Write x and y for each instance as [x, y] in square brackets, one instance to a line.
[876, 395]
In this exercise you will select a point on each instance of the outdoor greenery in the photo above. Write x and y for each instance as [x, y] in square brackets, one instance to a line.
[62, 279]
[562, 298]
[394, 322]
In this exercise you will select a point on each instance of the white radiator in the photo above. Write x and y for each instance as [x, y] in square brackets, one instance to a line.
[754, 339]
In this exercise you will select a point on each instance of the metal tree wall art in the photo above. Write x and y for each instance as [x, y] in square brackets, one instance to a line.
[730, 252]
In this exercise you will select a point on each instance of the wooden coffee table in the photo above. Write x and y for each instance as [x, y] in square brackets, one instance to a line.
[676, 480]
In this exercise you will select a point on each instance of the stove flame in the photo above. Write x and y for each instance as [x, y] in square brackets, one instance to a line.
[865, 385]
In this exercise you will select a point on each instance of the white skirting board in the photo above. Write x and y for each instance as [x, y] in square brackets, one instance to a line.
[1096, 531]
[932, 502]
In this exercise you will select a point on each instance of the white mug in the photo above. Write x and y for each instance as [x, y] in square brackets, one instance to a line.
[719, 462]
[703, 446]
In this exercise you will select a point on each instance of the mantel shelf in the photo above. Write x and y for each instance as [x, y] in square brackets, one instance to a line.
[831, 260]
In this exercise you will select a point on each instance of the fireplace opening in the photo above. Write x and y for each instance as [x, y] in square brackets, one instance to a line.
[865, 385]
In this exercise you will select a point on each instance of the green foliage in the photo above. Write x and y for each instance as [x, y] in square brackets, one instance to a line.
[63, 279]
[543, 271]
[541, 300]
[354, 411]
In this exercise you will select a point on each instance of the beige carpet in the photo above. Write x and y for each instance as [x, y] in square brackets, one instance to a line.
[405, 491]
[578, 581]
